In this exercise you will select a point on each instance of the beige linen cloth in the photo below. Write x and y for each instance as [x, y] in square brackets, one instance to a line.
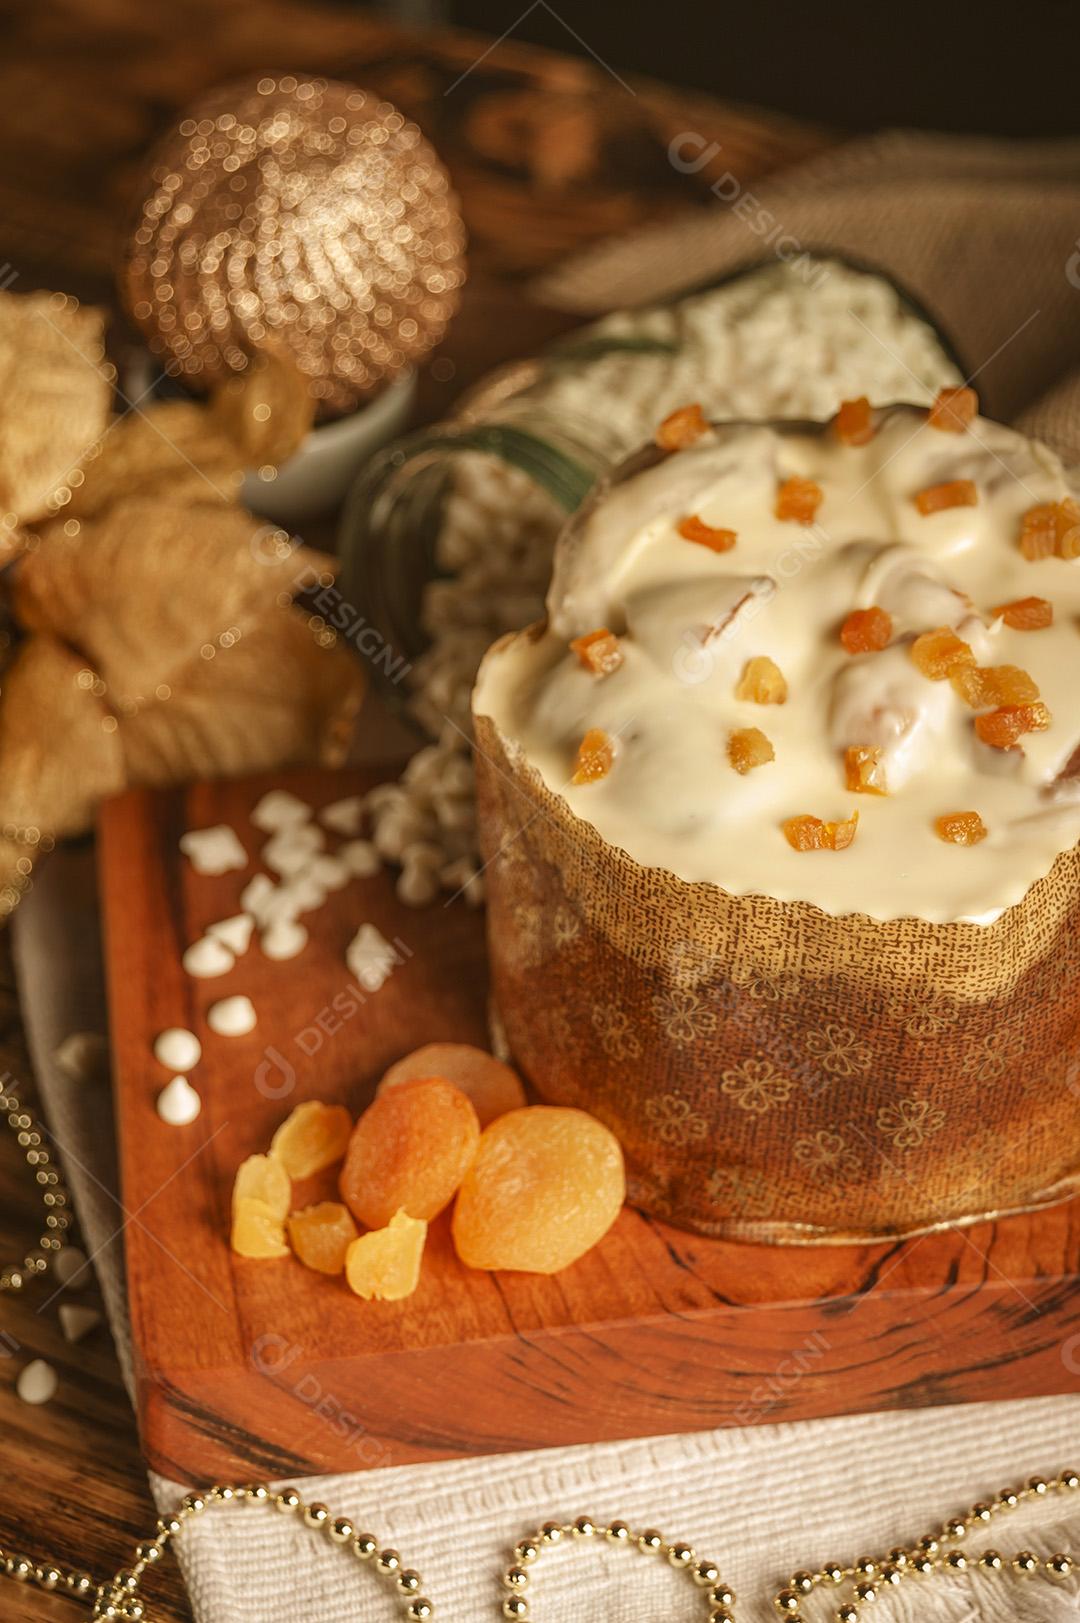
[987, 238]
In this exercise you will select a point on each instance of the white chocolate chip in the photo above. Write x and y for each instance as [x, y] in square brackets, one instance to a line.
[300, 894]
[417, 885]
[293, 848]
[344, 816]
[71, 1268]
[178, 1103]
[257, 894]
[361, 858]
[177, 1049]
[37, 1382]
[206, 958]
[370, 957]
[234, 933]
[77, 1322]
[284, 938]
[214, 850]
[232, 1017]
[329, 872]
[83, 1057]
[279, 809]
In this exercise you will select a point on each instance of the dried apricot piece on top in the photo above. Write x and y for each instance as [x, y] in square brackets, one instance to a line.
[547, 1184]
[321, 1235]
[951, 493]
[681, 428]
[409, 1152]
[695, 529]
[384, 1266]
[762, 682]
[954, 410]
[864, 773]
[598, 651]
[867, 631]
[811, 834]
[314, 1136]
[492, 1086]
[854, 422]
[961, 828]
[595, 757]
[1052, 529]
[798, 500]
[938, 653]
[1003, 728]
[257, 1231]
[982, 686]
[263, 1178]
[748, 747]
[1027, 614]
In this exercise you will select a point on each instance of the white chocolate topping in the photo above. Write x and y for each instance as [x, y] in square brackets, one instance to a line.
[689, 619]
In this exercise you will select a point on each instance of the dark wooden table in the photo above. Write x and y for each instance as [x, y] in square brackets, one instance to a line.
[548, 153]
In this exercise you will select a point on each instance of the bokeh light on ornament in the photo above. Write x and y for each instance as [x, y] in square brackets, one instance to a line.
[299, 215]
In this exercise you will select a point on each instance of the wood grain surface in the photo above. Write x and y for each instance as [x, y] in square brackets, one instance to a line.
[266, 1368]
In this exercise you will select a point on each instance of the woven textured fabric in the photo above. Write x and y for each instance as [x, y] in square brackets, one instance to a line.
[984, 234]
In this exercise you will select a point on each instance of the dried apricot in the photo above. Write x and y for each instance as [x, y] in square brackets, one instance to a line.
[762, 682]
[320, 1235]
[811, 834]
[262, 1178]
[798, 500]
[867, 631]
[952, 493]
[1027, 614]
[492, 1086]
[257, 1231]
[854, 422]
[547, 1184]
[984, 686]
[1052, 529]
[1002, 728]
[595, 757]
[748, 747]
[314, 1136]
[954, 410]
[864, 773]
[409, 1151]
[384, 1266]
[695, 529]
[961, 828]
[938, 653]
[681, 428]
[598, 651]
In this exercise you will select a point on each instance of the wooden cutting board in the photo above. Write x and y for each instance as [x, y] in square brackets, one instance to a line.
[266, 1369]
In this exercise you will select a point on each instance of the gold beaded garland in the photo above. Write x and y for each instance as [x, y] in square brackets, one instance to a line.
[297, 212]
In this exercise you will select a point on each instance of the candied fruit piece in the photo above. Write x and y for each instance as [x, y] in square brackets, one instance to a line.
[598, 651]
[681, 428]
[263, 1178]
[938, 653]
[762, 682]
[984, 686]
[952, 493]
[695, 529]
[811, 834]
[864, 773]
[595, 757]
[313, 1137]
[1002, 728]
[961, 828]
[409, 1151]
[1052, 529]
[492, 1086]
[384, 1265]
[257, 1231]
[748, 747]
[798, 500]
[320, 1235]
[547, 1184]
[954, 410]
[1027, 614]
[866, 631]
[854, 422]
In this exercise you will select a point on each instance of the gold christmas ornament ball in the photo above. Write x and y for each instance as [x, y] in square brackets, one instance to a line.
[299, 214]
